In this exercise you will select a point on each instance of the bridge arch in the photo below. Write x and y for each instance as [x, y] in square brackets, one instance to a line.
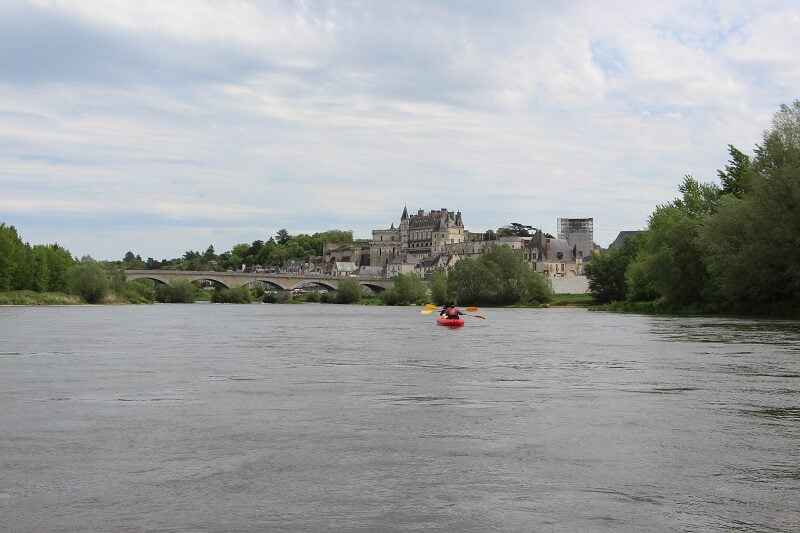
[210, 278]
[377, 289]
[153, 277]
[267, 284]
[320, 283]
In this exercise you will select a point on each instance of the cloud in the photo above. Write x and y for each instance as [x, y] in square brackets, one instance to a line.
[313, 115]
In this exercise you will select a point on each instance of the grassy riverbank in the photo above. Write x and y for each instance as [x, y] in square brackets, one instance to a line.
[39, 298]
[572, 300]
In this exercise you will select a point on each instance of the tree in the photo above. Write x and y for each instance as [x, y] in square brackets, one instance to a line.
[282, 236]
[471, 282]
[88, 280]
[406, 289]
[177, 292]
[349, 291]
[12, 258]
[737, 177]
[750, 245]
[515, 229]
[606, 271]
[438, 287]
[669, 262]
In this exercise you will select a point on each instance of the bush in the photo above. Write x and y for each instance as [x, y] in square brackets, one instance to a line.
[139, 292]
[258, 292]
[349, 291]
[406, 289]
[270, 298]
[312, 296]
[239, 295]
[88, 280]
[177, 292]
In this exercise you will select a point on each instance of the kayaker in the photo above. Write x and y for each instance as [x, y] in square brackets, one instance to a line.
[450, 311]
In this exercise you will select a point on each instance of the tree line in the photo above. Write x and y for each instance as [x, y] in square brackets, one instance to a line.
[271, 253]
[499, 277]
[727, 247]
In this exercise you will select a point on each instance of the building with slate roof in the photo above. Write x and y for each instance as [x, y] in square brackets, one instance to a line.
[403, 264]
[553, 257]
[621, 238]
[422, 235]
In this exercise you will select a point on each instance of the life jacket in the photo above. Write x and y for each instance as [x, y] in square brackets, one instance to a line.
[452, 312]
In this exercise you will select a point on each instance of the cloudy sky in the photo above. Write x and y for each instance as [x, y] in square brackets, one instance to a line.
[161, 126]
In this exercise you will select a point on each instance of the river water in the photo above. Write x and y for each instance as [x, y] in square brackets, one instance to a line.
[348, 418]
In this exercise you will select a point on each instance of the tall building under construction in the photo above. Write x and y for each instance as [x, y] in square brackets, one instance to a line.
[579, 232]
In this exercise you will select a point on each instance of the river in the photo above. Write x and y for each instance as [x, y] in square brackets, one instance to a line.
[347, 418]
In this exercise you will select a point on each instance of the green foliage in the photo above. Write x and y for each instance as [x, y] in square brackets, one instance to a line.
[12, 258]
[470, 281]
[515, 229]
[750, 245]
[312, 296]
[670, 260]
[258, 292]
[349, 291]
[88, 280]
[698, 200]
[39, 268]
[737, 177]
[405, 290]
[572, 300]
[498, 277]
[438, 287]
[239, 295]
[730, 249]
[140, 292]
[282, 237]
[606, 271]
[177, 292]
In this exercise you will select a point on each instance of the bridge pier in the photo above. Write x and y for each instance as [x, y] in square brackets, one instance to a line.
[286, 295]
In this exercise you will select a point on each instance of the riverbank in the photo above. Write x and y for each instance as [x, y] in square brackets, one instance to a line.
[39, 298]
[60, 298]
[54, 298]
[786, 309]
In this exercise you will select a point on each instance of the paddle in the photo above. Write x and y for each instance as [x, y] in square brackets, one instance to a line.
[430, 308]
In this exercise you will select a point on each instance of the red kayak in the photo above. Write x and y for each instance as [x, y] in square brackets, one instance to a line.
[450, 322]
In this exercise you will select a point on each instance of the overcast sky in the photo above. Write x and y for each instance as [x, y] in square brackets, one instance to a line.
[162, 126]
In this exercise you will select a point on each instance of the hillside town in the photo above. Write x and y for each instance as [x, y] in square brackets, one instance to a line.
[429, 240]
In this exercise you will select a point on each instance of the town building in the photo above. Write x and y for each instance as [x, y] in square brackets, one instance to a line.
[421, 235]
[578, 232]
[357, 252]
[403, 264]
[552, 257]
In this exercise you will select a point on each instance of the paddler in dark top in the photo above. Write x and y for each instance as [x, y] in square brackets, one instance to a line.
[450, 312]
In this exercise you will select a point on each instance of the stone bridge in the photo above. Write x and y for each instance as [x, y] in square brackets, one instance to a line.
[281, 282]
